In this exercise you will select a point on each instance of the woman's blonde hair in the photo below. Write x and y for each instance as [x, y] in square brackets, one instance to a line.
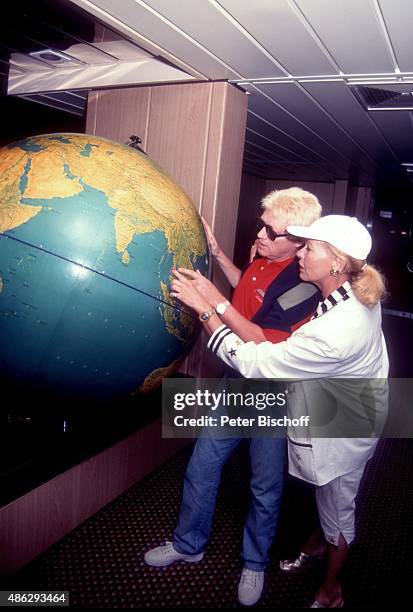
[297, 206]
[368, 283]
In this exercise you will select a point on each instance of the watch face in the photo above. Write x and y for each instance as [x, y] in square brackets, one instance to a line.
[221, 308]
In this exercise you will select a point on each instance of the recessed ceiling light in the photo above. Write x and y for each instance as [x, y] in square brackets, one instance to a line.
[51, 56]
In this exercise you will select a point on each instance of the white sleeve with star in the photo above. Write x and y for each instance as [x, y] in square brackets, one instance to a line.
[301, 356]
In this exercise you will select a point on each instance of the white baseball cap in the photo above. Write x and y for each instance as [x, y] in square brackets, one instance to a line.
[343, 232]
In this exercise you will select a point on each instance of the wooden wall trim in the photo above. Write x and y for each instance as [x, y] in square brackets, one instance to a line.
[91, 113]
[35, 521]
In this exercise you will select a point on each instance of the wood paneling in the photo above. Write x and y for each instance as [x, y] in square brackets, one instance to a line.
[363, 198]
[119, 113]
[36, 520]
[223, 170]
[178, 133]
[220, 198]
[340, 197]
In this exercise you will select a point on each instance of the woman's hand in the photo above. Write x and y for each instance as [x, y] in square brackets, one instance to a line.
[212, 242]
[204, 286]
[184, 289]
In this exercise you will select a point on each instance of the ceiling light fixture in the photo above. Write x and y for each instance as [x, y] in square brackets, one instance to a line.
[55, 58]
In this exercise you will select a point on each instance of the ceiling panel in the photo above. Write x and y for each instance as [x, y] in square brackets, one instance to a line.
[341, 104]
[167, 36]
[299, 132]
[255, 169]
[280, 138]
[261, 150]
[260, 133]
[251, 155]
[73, 103]
[397, 128]
[221, 36]
[283, 34]
[305, 172]
[398, 15]
[266, 147]
[299, 104]
[351, 31]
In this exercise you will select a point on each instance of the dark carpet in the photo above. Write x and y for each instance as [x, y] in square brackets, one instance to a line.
[101, 562]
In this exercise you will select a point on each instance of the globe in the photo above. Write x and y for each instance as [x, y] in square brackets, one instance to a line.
[89, 232]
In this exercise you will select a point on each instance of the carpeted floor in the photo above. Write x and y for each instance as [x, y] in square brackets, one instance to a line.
[101, 562]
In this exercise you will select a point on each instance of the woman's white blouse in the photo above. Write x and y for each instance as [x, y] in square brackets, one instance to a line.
[344, 342]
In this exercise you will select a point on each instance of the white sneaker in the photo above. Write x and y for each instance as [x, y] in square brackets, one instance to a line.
[162, 556]
[250, 587]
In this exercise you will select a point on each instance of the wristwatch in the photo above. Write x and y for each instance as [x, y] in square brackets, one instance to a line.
[205, 316]
[221, 307]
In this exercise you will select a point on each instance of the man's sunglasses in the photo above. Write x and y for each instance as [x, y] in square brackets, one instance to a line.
[271, 233]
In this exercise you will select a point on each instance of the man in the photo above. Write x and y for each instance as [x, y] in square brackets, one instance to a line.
[269, 303]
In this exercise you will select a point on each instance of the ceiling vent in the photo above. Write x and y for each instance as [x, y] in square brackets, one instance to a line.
[394, 97]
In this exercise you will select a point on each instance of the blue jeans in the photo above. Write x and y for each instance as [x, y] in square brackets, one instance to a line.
[202, 478]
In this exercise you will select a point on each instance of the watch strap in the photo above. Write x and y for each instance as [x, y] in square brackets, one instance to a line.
[205, 316]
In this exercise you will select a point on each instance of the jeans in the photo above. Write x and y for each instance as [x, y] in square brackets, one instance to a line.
[202, 478]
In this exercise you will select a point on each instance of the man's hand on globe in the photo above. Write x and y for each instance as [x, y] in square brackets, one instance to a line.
[212, 242]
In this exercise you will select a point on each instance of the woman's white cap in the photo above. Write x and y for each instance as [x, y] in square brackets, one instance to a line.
[343, 232]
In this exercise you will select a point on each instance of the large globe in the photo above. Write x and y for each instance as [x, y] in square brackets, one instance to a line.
[90, 230]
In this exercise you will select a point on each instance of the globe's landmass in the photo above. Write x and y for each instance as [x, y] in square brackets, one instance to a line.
[89, 232]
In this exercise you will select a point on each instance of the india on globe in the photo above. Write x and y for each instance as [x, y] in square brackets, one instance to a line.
[89, 232]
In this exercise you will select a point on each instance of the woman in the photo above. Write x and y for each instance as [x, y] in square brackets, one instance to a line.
[343, 340]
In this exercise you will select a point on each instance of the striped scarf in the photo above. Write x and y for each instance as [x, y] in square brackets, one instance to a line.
[341, 293]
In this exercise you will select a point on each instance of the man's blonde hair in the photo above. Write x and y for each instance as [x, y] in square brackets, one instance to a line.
[298, 207]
